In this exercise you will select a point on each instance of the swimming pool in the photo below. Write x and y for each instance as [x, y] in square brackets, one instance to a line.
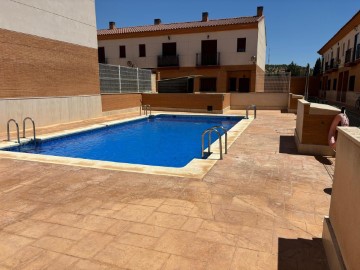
[161, 140]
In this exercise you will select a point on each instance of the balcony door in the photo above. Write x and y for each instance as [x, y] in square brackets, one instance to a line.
[342, 86]
[169, 57]
[209, 52]
[169, 49]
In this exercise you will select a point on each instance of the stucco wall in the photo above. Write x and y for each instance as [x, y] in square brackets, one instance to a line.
[111, 102]
[188, 45]
[345, 197]
[48, 111]
[61, 20]
[271, 101]
[186, 102]
[261, 45]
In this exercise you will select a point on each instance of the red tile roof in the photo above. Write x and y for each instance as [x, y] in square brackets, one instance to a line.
[176, 26]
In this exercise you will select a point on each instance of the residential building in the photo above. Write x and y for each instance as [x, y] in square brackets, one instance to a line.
[48, 61]
[223, 55]
[341, 64]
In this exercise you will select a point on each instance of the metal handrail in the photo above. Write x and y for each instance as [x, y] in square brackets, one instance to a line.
[247, 110]
[33, 124]
[146, 106]
[225, 132]
[17, 130]
[202, 141]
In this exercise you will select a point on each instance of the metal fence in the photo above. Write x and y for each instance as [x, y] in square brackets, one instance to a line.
[274, 83]
[119, 79]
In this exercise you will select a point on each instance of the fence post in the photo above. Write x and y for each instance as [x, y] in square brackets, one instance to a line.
[137, 79]
[119, 79]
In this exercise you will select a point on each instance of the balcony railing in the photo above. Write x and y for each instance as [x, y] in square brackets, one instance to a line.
[168, 60]
[357, 52]
[348, 56]
[212, 59]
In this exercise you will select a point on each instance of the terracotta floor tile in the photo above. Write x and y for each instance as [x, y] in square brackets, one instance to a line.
[245, 259]
[116, 254]
[89, 265]
[30, 228]
[136, 213]
[10, 244]
[147, 260]
[53, 243]
[43, 261]
[23, 257]
[261, 207]
[68, 232]
[192, 224]
[166, 220]
[90, 245]
[181, 263]
[145, 229]
[137, 240]
[217, 237]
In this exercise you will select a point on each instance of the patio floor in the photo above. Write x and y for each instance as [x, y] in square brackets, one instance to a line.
[261, 207]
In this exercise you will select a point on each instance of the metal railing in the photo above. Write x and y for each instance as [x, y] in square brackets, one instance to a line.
[17, 130]
[209, 132]
[208, 59]
[33, 124]
[120, 79]
[348, 56]
[247, 111]
[168, 61]
[145, 108]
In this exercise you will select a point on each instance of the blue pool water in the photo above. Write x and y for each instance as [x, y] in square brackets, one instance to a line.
[162, 140]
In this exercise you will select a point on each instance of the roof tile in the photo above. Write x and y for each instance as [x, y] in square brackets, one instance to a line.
[175, 26]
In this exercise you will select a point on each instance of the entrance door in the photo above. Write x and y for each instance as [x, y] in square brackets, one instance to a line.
[345, 86]
[339, 87]
[244, 85]
[209, 52]
[232, 84]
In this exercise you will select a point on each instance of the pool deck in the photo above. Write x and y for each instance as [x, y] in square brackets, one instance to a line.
[261, 207]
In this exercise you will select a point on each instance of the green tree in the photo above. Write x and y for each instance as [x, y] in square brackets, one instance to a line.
[294, 69]
[317, 67]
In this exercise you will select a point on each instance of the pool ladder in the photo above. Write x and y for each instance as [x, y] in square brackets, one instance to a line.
[145, 108]
[209, 132]
[247, 111]
[17, 129]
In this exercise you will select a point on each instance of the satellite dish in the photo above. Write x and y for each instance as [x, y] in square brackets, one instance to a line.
[253, 59]
[130, 64]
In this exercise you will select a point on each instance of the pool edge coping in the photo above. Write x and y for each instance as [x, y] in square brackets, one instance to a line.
[196, 168]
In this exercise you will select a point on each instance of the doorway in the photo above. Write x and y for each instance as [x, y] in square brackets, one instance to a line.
[244, 85]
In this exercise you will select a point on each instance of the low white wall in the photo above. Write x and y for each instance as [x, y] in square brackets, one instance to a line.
[49, 111]
[265, 101]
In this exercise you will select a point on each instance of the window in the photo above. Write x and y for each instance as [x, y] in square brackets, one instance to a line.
[352, 83]
[101, 55]
[334, 84]
[142, 50]
[208, 84]
[241, 44]
[328, 85]
[169, 49]
[232, 84]
[343, 49]
[122, 51]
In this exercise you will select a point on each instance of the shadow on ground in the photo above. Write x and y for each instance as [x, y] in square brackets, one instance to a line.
[301, 254]
[323, 160]
[287, 145]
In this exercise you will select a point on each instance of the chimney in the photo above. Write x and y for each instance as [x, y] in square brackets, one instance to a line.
[260, 11]
[205, 16]
[112, 25]
[157, 21]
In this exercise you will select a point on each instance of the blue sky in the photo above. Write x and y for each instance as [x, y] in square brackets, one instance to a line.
[296, 29]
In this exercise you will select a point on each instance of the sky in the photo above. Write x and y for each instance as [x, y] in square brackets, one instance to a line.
[295, 29]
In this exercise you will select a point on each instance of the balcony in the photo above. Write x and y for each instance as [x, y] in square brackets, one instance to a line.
[357, 55]
[212, 59]
[348, 56]
[168, 60]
